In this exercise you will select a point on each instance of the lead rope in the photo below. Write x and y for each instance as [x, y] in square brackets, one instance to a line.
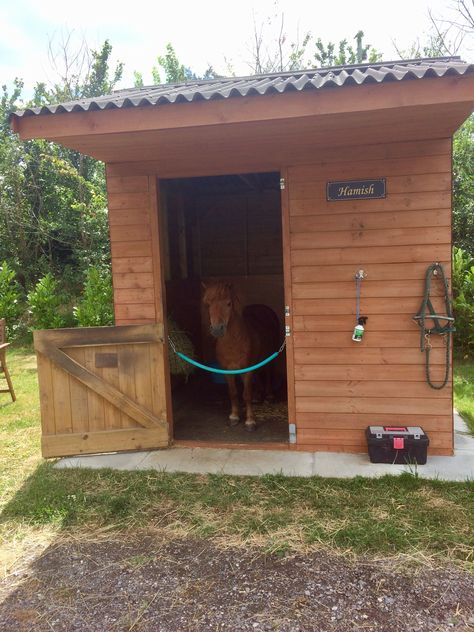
[446, 330]
[212, 369]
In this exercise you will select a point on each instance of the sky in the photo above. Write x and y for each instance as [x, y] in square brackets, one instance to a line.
[202, 32]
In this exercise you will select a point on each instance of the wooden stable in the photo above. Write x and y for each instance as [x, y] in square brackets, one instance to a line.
[398, 130]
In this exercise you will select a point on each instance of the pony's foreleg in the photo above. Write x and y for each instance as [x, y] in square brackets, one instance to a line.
[250, 424]
[234, 400]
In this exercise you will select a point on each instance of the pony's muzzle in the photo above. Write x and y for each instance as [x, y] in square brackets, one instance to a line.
[218, 330]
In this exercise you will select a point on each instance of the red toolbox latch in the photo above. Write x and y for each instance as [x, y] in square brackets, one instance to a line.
[398, 443]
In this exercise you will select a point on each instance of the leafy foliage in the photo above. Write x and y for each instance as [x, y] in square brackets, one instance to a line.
[11, 295]
[96, 306]
[47, 304]
[463, 300]
[53, 213]
[329, 55]
[463, 186]
[175, 71]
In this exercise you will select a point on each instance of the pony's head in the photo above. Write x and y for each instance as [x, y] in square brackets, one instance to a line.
[220, 300]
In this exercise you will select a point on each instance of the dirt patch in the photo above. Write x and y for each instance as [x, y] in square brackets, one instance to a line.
[148, 583]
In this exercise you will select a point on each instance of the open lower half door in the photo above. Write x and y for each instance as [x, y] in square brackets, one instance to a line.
[102, 389]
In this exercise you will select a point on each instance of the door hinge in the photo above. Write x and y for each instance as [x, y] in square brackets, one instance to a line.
[282, 184]
[292, 428]
[287, 310]
[287, 330]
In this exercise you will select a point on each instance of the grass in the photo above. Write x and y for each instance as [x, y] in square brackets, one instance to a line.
[386, 516]
[464, 392]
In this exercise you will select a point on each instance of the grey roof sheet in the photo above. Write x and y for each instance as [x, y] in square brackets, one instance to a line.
[274, 83]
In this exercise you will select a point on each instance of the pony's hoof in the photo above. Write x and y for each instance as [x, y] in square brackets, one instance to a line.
[250, 426]
[233, 420]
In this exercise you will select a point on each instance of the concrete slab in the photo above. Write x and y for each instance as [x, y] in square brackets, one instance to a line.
[190, 460]
[459, 467]
[342, 465]
[116, 461]
[258, 462]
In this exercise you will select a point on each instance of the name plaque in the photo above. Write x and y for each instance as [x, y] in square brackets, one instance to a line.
[356, 190]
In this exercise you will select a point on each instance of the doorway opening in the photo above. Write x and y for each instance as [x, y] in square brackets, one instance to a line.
[228, 229]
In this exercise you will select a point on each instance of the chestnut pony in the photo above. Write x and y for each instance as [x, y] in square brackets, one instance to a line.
[244, 338]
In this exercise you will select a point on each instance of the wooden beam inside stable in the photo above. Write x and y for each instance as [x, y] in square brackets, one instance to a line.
[346, 99]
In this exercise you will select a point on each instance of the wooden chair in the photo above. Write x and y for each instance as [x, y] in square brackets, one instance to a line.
[3, 361]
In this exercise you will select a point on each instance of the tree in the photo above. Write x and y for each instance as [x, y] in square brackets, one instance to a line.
[276, 53]
[463, 187]
[330, 55]
[52, 199]
[175, 71]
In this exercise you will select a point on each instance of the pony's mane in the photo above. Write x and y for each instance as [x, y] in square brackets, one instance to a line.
[219, 291]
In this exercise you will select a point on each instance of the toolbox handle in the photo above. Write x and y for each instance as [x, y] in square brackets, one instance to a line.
[395, 428]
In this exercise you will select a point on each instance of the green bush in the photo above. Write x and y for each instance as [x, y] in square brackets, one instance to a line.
[11, 299]
[463, 301]
[48, 304]
[96, 307]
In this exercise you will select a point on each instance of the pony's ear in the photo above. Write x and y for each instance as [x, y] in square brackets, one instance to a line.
[203, 285]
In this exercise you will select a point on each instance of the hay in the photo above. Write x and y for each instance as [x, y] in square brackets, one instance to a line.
[183, 343]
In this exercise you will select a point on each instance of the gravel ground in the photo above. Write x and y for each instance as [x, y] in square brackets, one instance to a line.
[145, 583]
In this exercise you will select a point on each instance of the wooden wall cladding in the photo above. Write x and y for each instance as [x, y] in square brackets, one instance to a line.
[131, 243]
[341, 386]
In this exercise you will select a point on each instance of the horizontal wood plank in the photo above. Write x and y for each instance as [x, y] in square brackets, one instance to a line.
[374, 272]
[392, 203]
[370, 289]
[346, 322]
[130, 295]
[362, 169]
[130, 233]
[374, 405]
[363, 356]
[93, 336]
[138, 280]
[357, 437]
[371, 373]
[122, 200]
[135, 312]
[359, 449]
[130, 249]
[372, 339]
[365, 388]
[423, 183]
[127, 184]
[125, 265]
[129, 217]
[370, 221]
[329, 306]
[343, 421]
[361, 238]
[427, 253]
[103, 441]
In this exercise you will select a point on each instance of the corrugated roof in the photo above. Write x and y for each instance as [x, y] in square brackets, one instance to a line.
[274, 83]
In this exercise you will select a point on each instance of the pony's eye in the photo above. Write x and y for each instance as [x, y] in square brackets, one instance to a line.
[229, 304]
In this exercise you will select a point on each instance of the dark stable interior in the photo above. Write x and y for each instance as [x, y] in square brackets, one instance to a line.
[223, 228]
